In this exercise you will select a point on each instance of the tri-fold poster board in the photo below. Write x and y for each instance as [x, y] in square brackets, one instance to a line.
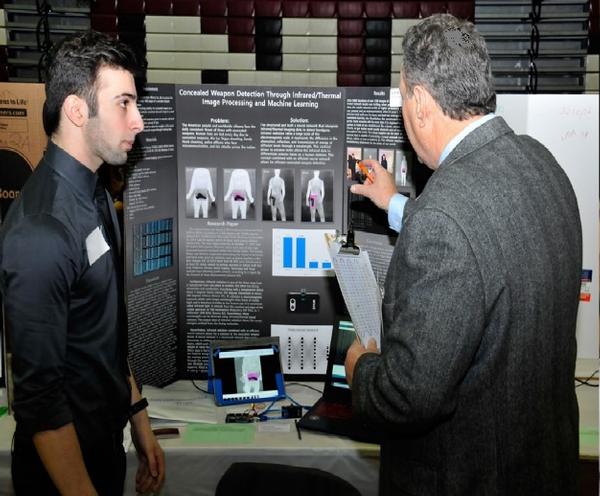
[230, 193]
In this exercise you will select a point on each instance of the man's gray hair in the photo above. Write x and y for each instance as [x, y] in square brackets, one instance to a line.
[450, 59]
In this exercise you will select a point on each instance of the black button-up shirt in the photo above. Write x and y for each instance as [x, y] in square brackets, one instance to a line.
[61, 297]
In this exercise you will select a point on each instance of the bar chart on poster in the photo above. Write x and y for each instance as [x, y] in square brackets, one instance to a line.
[301, 253]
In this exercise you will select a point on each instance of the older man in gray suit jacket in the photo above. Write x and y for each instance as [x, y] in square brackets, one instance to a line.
[474, 384]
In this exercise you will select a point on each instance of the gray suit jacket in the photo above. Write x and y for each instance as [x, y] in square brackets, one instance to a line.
[474, 387]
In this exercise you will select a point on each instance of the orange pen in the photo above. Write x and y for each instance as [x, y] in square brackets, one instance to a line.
[365, 170]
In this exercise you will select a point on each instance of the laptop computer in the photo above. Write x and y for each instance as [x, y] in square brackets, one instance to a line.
[332, 413]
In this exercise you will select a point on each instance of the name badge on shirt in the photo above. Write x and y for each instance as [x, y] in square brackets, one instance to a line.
[96, 245]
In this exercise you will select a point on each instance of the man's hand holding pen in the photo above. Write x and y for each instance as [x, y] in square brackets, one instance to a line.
[379, 186]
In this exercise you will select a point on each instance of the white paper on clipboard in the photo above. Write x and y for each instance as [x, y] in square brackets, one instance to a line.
[360, 291]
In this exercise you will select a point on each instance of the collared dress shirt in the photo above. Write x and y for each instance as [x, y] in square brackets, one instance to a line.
[61, 292]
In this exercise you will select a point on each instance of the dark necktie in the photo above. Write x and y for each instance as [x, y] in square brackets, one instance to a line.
[101, 200]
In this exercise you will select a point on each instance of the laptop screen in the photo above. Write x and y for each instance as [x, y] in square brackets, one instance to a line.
[332, 413]
[343, 338]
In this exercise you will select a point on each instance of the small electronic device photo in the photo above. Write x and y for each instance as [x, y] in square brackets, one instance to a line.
[239, 418]
[303, 302]
[245, 371]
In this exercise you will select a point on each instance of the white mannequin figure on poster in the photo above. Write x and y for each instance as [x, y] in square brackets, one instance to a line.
[315, 194]
[240, 193]
[275, 195]
[201, 191]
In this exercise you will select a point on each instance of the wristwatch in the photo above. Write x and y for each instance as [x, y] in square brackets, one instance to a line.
[137, 407]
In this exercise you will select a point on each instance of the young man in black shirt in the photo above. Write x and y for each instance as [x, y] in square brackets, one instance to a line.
[62, 287]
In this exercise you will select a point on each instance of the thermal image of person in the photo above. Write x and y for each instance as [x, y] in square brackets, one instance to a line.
[240, 192]
[251, 377]
[275, 195]
[351, 171]
[383, 161]
[403, 171]
[201, 191]
[315, 194]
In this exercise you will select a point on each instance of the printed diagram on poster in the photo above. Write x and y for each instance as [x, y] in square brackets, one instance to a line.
[304, 348]
[278, 203]
[301, 253]
[200, 197]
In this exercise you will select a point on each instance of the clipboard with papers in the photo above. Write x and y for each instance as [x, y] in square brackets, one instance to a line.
[359, 287]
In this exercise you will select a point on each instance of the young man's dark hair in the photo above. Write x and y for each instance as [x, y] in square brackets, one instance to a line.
[73, 70]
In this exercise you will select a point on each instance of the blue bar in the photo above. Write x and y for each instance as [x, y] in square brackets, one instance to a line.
[287, 253]
[300, 253]
[326, 265]
[313, 265]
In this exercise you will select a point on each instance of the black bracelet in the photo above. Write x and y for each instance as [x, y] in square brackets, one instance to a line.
[137, 407]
